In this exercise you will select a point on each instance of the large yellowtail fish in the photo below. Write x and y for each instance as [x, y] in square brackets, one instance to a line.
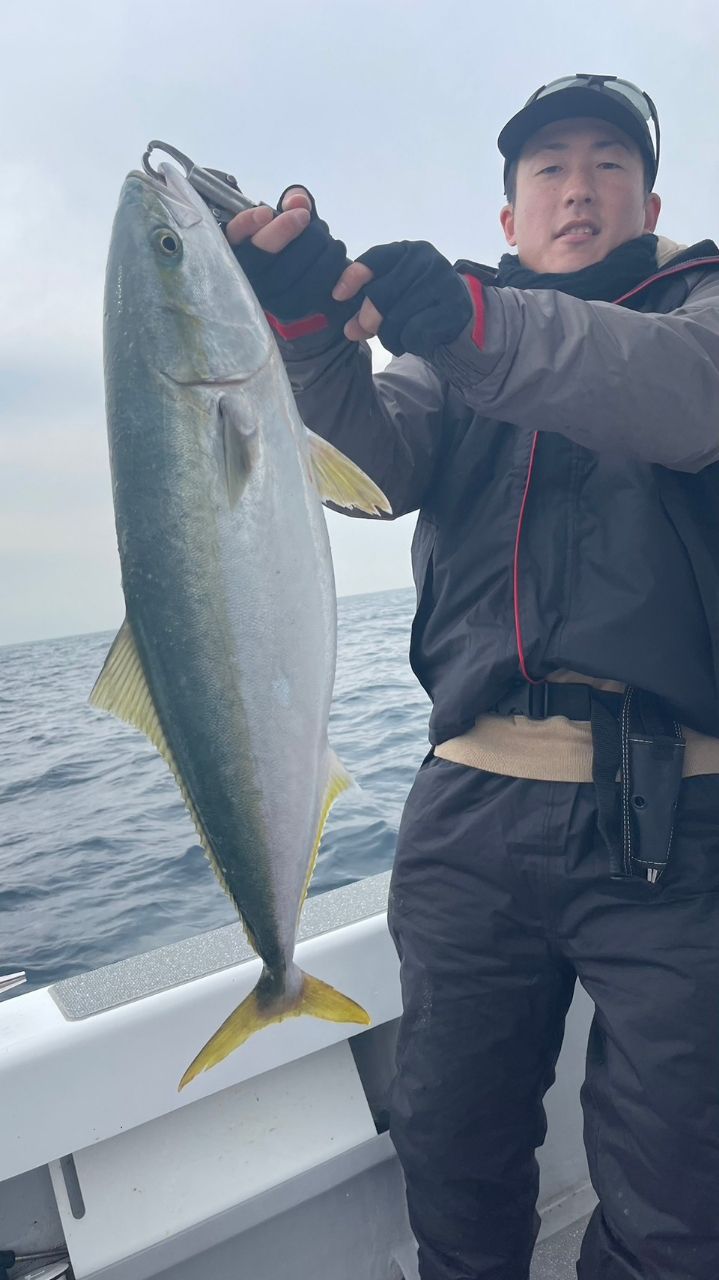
[226, 657]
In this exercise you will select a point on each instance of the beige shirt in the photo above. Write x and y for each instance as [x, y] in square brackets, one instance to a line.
[556, 749]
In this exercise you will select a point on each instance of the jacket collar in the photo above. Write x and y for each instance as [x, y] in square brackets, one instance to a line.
[671, 257]
[704, 255]
[670, 254]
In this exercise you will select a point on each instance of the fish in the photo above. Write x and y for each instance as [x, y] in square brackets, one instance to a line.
[226, 656]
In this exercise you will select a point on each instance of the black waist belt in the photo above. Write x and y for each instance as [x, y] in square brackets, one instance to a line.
[635, 739]
[539, 701]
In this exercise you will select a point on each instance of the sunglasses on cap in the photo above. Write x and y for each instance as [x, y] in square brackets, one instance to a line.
[612, 86]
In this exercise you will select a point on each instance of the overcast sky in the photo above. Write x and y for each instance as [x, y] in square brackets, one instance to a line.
[388, 111]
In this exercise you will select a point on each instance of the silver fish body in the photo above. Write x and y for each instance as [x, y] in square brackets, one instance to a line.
[227, 655]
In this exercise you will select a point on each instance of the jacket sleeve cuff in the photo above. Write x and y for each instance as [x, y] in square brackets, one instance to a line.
[467, 361]
[313, 335]
[476, 292]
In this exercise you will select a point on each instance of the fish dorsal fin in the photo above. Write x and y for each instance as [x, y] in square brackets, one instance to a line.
[339, 480]
[122, 689]
[338, 780]
[239, 442]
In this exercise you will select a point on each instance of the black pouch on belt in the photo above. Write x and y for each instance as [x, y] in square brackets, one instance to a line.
[646, 748]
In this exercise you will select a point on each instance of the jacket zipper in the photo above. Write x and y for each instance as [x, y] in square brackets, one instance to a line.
[659, 275]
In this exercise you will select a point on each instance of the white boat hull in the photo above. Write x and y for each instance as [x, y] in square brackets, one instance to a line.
[279, 1157]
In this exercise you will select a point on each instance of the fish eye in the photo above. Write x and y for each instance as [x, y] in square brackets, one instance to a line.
[168, 242]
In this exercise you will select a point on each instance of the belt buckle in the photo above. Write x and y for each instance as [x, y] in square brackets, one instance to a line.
[538, 708]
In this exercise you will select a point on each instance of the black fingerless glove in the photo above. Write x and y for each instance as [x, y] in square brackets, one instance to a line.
[298, 281]
[424, 302]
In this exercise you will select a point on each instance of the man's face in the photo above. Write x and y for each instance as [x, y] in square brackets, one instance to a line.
[580, 194]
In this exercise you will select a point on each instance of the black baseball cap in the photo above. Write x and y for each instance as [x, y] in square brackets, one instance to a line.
[605, 97]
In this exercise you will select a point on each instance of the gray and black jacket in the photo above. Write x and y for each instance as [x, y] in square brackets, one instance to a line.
[565, 465]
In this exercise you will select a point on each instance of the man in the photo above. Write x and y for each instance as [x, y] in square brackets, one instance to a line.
[556, 423]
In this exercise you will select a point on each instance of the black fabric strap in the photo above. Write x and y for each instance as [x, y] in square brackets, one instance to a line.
[538, 701]
[607, 741]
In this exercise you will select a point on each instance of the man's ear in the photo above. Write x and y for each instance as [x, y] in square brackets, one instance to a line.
[506, 218]
[652, 210]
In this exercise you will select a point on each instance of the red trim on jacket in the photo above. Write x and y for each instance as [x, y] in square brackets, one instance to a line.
[298, 328]
[477, 294]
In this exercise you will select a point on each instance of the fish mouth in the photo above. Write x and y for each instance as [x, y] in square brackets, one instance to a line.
[147, 180]
[178, 198]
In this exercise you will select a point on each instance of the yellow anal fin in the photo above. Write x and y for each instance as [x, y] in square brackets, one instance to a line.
[341, 481]
[315, 998]
[338, 780]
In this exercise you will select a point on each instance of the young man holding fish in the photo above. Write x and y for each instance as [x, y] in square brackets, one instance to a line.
[555, 423]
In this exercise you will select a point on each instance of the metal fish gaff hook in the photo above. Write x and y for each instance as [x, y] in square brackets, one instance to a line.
[219, 190]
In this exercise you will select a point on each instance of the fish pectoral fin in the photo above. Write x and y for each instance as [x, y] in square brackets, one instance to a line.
[337, 479]
[260, 1009]
[239, 443]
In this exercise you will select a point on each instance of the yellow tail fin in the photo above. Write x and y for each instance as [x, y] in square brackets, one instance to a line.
[259, 1009]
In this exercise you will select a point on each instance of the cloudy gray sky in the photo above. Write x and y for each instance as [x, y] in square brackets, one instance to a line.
[388, 111]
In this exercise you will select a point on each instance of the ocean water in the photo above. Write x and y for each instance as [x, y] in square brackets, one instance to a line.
[98, 857]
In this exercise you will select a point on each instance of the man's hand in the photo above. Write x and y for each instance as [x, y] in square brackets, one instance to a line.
[290, 259]
[414, 299]
[368, 319]
[270, 231]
